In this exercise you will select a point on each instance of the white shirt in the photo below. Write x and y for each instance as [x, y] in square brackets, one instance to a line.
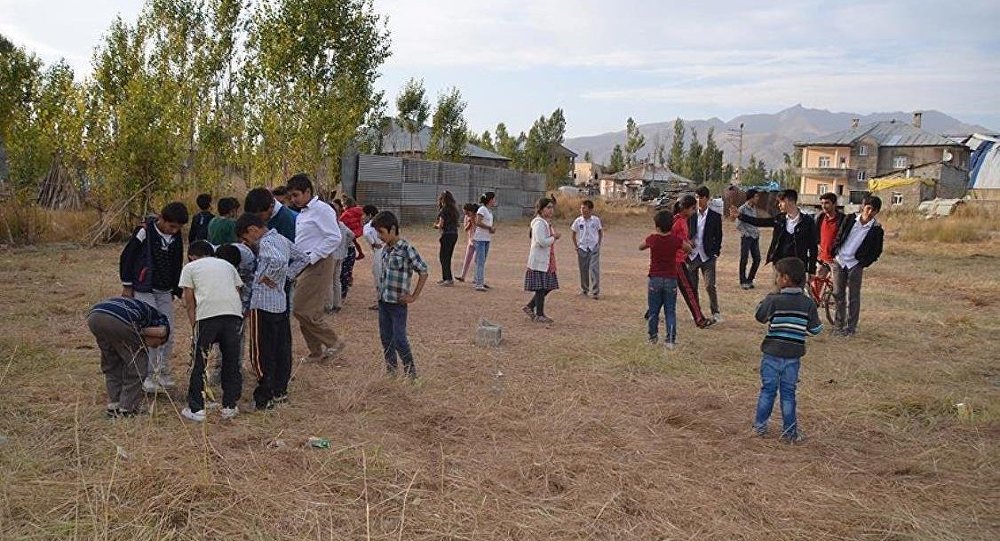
[588, 232]
[216, 287]
[317, 232]
[790, 223]
[846, 255]
[371, 235]
[540, 251]
[483, 233]
[699, 236]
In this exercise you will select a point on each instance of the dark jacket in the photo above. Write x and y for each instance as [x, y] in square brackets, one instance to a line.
[802, 243]
[138, 267]
[712, 237]
[870, 249]
[199, 226]
[283, 222]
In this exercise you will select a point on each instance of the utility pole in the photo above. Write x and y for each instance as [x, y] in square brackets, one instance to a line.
[735, 138]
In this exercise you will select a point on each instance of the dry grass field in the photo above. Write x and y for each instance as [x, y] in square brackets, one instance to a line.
[575, 430]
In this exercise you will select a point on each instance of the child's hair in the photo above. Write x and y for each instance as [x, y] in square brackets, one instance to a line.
[349, 202]
[370, 210]
[829, 196]
[751, 193]
[446, 199]
[246, 220]
[873, 200]
[663, 220]
[686, 202]
[588, 203]
[386, 220]
[258, 200]
[471, 207]
[301, 183]
[486, 198]
[230, 253]
[542, 203]
[175, 213]
[204, 201]
[201, 248]
[793, 268]
[227, 205]
[279, 191]
[789, 195]
[702, 191]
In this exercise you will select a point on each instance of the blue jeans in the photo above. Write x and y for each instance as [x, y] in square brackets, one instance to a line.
[778, 373]
[392, 331]
[482, 250]
[662, 293]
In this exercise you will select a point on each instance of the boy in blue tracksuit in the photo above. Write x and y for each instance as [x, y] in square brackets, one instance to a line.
[790, 316]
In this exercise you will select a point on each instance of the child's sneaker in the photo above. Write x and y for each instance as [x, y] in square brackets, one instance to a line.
[717, 317]
[196, 416]
[151, 386]
[111, 410]
[229, 413]
[795, 437]
[670, 346]
[280, 399]
[269, 405]
[760, 431]
[653, 340]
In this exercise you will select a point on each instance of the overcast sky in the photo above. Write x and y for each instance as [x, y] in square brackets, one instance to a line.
[603, 61]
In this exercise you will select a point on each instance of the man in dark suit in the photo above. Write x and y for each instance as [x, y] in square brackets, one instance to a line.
[705, 228]
[795, 233]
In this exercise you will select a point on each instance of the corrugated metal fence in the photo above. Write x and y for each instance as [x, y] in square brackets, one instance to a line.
[410, 187]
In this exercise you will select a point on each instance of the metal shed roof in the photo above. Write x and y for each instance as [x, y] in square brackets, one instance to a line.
[888, 134]
[398, 140]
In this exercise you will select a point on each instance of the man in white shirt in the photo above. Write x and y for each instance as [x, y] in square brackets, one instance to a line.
[317, 233]
[705, 227]
[587, 237]
[857, 246]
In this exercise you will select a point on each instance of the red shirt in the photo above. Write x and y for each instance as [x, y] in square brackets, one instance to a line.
[681, 231]
[662, 255]
[352, 218]
[827, 235]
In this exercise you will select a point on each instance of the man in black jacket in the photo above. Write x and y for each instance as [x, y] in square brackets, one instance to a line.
[858, 245]
[705, 229]
[794, 233]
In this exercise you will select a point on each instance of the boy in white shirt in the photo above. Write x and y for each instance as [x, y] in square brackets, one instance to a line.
[371, 235]
[587, 237]
[212, 297]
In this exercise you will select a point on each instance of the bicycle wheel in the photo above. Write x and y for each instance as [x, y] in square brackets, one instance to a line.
[828, 302]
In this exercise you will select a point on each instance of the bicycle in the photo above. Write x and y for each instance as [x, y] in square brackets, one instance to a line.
[821, 290]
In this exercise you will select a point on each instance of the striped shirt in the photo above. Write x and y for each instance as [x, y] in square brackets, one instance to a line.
[278, 260]
[131, 312]
[790, 316]
[399, 262]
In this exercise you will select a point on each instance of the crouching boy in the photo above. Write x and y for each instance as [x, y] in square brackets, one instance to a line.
[124, 328]
[399, 261]
[212, 298]
[790, 316]
[278, 261]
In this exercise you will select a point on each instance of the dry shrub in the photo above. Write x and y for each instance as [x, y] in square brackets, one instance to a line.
[609, 210]
[22, 222]
[968, 224]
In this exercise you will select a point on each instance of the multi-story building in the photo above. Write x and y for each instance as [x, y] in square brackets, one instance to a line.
[844, 161]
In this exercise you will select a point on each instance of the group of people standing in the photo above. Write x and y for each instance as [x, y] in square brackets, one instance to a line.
[248, 273]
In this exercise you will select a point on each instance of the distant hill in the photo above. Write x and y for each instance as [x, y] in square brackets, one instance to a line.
[767, 136]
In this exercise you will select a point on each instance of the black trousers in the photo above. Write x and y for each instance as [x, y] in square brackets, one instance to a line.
[270, 354]
[448, 241]
[225, 331]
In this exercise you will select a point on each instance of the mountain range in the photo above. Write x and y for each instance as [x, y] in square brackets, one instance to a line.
[766, 136]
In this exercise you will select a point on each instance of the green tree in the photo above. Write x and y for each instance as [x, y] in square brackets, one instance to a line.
[617, 161]
[413, 108]
[755, 173]
[20, 84]
[587, 157]
[711, 158]
[486, 141]
[449, 134]
[692, 162]
[634, 142]
[675, 161]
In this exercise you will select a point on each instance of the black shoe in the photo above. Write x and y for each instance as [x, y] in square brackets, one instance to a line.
[280, 399]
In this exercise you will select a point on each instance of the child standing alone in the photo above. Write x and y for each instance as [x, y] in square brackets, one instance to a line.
[790, 316]
[661, 293]
[400, 260]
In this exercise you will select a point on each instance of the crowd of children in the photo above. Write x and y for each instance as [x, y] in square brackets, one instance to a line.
[248, 274]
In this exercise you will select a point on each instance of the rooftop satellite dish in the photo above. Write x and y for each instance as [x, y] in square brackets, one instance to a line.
[947, 156]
